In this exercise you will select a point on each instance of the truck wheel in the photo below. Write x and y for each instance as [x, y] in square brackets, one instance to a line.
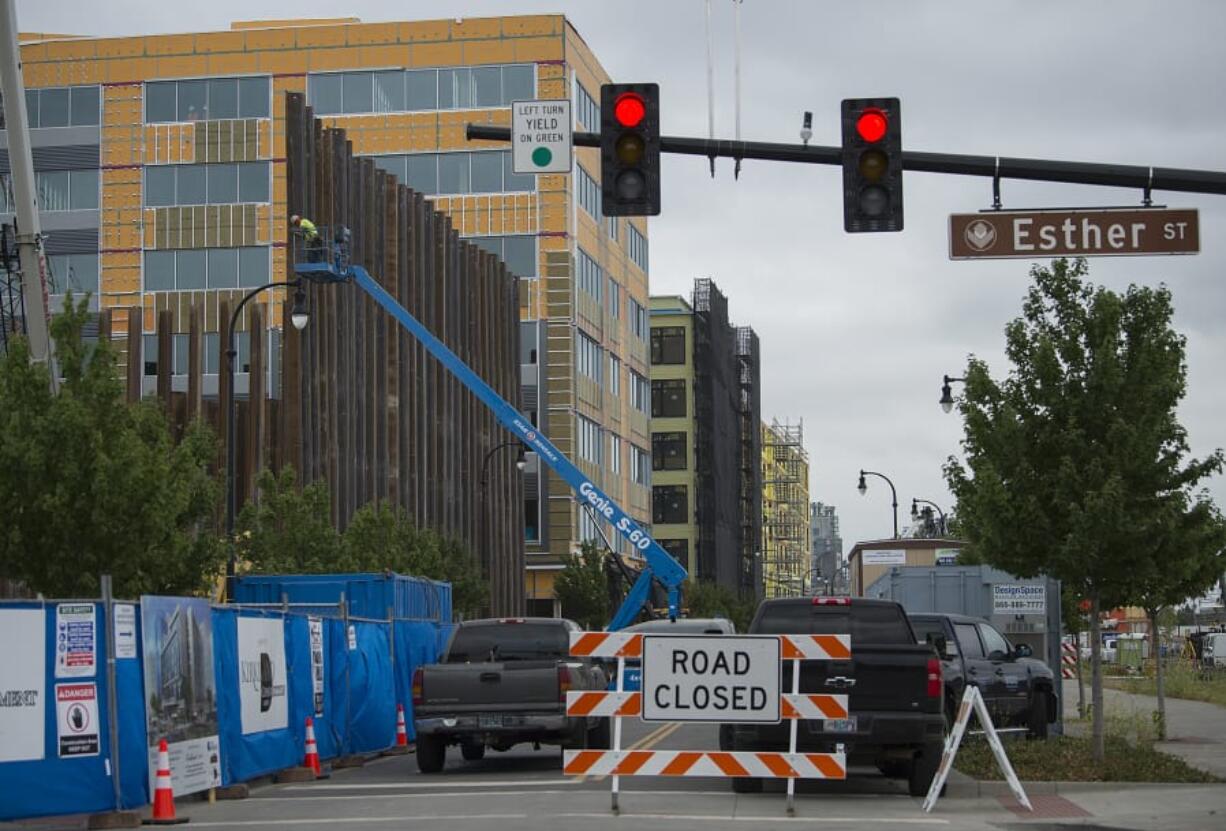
[923, 769]
[431, 753]
[600, 737]
[472, 751]
[1037, 723]
[746, 784]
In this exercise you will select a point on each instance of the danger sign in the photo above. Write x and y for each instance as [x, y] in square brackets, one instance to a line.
[76, 707]
[697, 678]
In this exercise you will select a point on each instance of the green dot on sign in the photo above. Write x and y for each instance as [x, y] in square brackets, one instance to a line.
[542, 156]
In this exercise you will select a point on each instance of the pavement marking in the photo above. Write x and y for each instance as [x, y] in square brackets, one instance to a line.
[485, 783]
[648, 741]
[245, 823]
[432, 794]
[885, 821]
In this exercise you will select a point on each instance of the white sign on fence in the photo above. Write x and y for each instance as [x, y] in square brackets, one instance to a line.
[541, 136]
[1019, 598]
[76, 648]
[884, 557]
[261, 674]
[125, 630]
[76, 711]
[316, 628]
[724, 679]
[23, 659]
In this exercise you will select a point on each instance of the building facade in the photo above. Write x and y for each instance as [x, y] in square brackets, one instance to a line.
[161, 168]
[785, 510]
[705, 407]
[826, 545]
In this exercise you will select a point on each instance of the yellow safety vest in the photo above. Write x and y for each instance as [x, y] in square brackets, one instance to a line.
[308, 228]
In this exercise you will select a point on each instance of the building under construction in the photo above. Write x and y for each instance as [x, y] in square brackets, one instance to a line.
[785, 510]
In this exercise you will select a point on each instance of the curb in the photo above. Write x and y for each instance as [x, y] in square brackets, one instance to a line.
[961, 786]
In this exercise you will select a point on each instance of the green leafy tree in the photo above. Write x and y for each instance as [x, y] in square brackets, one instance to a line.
[289, 530]
[1076, 463]
[707, 599]
[582, 587]
[96, 485]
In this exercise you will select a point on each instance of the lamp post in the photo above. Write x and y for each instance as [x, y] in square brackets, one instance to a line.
[863, 488]
[299, 318]
[947, 398]
[520, 462]
[915, 511]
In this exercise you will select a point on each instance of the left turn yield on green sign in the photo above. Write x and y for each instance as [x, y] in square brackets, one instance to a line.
[541, 136]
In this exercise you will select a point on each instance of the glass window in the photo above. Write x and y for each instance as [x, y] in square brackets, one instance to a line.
[968, 640]
[394, 165]
[193, 100]
[84, 276]
[32, 107]
[149, 346]
[53, 107]
[53, 190]
[85, 106]
[517, 84]
[389, 92]
[160, 185]
[190, 270]
[668, 398]
[515, 181]
[211, 343]
[421, 173]
[421, 89]
[487, 86]
[223, 268]
[357, 92]
[253, 98]
[223, 98]
[668, 451]
[453, 173]
[669, 504]
[993, 641]
[253, 182]
[223, 183]
[454, 89]
[668, 345]
[326, 94]
[487, 172]
[179, 349]
[83, 190]
[159, 270]
[191, 188]
[160, 101]
[679, 549]
[519, 253]
[252, 267]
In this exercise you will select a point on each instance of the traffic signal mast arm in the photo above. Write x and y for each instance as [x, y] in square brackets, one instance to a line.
[660, 565]
[1003, 167]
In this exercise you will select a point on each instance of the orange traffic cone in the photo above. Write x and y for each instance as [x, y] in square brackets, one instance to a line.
[402, 735]
[163, 792]
[312, 752]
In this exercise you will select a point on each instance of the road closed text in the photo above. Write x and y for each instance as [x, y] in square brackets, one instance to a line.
[710, 678]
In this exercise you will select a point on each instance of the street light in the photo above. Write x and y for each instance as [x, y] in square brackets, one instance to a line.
[915, 511]
[299, 315]
[520, 463]
[863, 488]
[947, 398]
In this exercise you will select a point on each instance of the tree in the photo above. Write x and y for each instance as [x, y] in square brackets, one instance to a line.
[1074, 461]
[96, 485]
[582, 587]
[705, 598]
[289, 530]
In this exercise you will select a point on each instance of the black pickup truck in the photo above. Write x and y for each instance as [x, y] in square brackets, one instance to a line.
[895, 702]
[1018, 690]
[501, 683]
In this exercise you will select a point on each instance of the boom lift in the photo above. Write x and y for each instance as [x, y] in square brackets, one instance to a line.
[659, 564]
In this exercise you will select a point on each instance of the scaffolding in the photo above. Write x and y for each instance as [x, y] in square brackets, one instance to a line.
[12, 306]
[785, 511]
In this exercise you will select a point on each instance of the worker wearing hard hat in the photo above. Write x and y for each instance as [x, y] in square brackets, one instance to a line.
[310, 236]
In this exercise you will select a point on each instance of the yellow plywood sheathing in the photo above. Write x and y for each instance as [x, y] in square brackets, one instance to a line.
[272, 38]
[436, 54]
[279, 63]
[323, 60]
[476, 27]
[538, 49]
[424, 31]
[528, 25]
[365, 34]
[488, 51]
[310, 37]
[220, 42]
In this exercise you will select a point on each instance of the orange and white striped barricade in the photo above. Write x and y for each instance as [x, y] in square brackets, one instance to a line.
[1068, 660]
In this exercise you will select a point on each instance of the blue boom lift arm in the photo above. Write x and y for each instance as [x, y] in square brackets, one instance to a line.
[660, 565]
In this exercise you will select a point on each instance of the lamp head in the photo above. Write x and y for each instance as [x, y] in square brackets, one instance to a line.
[521, 461]
[862, 487]
[299, 315]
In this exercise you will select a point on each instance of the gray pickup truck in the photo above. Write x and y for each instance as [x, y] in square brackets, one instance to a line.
[501, 683]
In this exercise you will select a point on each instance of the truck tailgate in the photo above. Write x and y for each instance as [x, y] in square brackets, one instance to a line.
[877, 678]
[503, 686]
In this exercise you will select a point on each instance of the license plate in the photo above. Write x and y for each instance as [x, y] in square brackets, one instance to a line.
[840, 725]
[489, 721]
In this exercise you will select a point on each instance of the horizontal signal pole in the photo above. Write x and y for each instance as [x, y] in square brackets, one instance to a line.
[1002, 167]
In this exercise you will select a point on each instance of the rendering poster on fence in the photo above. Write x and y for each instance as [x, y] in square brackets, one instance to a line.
[76, 719]
[180, 691]
[23, 660]
[316, 627]
[263, 704]
[76, 653]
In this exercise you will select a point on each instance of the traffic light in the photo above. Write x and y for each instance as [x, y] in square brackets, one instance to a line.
[630, 149]
[872, 165]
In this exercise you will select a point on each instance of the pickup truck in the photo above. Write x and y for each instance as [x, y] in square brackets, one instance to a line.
[1018, 690]
[895, 703]
[501, 683]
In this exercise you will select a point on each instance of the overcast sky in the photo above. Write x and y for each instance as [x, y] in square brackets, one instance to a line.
[856, 331]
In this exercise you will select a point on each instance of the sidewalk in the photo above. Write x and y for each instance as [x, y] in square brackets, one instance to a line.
[1196, 730]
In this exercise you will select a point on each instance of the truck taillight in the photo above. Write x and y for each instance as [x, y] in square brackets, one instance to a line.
[832, 601]
[564, 682]
[417, 682]
[934, 678]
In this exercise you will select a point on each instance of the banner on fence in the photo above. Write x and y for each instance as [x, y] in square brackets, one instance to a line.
[76, 642]
[261, 674]
[76, 719]
[22, 690]
[180, 690]
[315, 627]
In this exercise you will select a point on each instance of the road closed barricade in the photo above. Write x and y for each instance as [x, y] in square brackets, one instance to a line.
[724, 679]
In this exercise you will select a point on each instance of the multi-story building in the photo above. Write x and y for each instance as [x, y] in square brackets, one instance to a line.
[825, 544]
[705, 408]
[161, 168]
[785, 509]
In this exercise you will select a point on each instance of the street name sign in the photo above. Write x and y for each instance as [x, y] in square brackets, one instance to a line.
[1099, 232]
[704, 678]
[541, 133]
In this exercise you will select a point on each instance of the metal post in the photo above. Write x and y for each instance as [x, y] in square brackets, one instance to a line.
[792, 738]
[348, 711]
[112, 704]
[617, 729]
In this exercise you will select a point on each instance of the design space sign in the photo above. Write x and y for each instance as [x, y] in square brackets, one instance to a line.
[261, 674]
[697, 678]
[1016, 599]
[22, 684]
[76, 654]
[541, 136]
[884, 557]
[76, 710]
[1105, 232]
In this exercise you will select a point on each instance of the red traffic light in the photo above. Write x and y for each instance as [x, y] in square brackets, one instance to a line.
[629, 109]
[871, 125]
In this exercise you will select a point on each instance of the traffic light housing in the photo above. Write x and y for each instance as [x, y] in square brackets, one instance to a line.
[630, 149]
[872, 165]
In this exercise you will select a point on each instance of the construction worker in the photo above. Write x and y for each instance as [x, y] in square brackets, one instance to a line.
[310, 236]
